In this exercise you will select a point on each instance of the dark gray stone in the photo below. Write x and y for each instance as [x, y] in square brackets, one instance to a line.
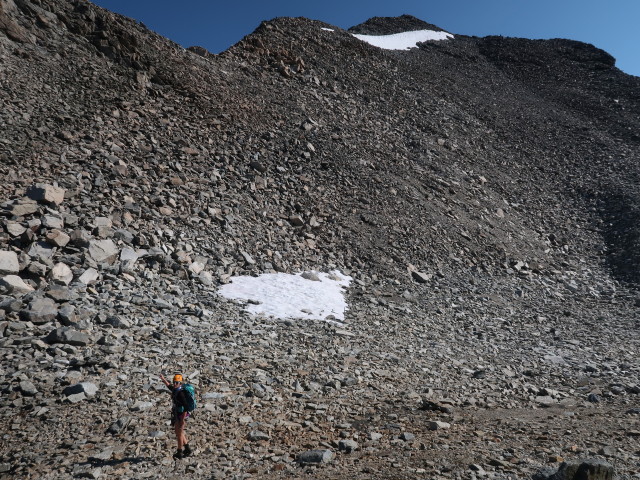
[119, 425]
[347, 446]
[40, 311]
[88, 388]
[68, 336]
[315, 456]
[257, 436]
[587, 469]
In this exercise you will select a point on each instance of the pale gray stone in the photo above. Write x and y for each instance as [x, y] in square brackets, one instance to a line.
[52, 221]
[28, 388]
[89, 276]
[61, 274]
[58, 238]
[15, 284]
[103, 251]
[89, 389]
[68, 336]
[43, 192]
[9, 262]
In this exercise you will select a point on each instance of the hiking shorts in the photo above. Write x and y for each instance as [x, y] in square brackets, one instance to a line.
[179, 416]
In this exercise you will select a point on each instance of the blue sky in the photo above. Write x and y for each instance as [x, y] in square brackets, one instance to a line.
[613, 25]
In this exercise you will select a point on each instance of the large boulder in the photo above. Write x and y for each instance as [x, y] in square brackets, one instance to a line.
[43, 192]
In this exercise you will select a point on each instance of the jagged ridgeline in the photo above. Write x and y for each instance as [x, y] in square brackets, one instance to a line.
[483, 193]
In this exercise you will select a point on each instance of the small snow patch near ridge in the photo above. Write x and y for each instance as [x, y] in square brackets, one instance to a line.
[282, 295]
[404, 40]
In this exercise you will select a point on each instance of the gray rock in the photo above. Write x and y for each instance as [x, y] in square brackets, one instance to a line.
[407, 437]
[41, 250]
[311, 276]
[128, 258]
[119, 425]
[15, 229]
[28, 389]
[89, 276]
[347, 446]
[52, 222]
[61, 274]
[40, 311]
[58, 238]
[315, 457]
[103, 251]
[437, 425]
[247, 258]
[87, 471]
[205, 278]
[587, 469]
[80, 238]
[67, 315]
[257, 436]
[89, 389]
[68, 336]
[125, 235]
[9, 262]
[118, 322]
[61, 293]
[43, 192]
[296, 220]
[23, 207]
[103, 456]
[15, 284]
[141, 406]
[420, 277]
[76, 397]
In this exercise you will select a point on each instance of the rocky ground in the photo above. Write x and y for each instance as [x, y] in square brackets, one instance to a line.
[483, 194]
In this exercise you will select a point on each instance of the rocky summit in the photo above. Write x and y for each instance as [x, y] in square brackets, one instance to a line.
[482, 193]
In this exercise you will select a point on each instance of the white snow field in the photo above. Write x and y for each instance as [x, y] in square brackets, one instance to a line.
[283, 295]
[404, 40]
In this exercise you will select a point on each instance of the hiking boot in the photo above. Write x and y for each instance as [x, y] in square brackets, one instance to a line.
[178, 455]
[187, 450]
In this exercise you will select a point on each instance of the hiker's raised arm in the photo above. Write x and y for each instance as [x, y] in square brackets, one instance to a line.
[164, 380]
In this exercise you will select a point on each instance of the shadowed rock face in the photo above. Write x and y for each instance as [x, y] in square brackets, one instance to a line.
[391, 25]
[482, 193]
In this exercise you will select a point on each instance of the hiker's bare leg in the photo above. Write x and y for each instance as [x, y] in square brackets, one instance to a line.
[179, 428]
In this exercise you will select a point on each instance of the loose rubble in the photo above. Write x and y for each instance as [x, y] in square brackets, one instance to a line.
[481, 194]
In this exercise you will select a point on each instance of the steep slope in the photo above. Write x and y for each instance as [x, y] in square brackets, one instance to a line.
[483, 193]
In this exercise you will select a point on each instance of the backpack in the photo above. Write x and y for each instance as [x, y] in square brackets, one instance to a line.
[190, 396]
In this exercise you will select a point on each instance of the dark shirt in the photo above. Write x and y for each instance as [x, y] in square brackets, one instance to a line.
[179, 399]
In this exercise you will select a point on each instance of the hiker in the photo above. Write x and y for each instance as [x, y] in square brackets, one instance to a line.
[179, 413]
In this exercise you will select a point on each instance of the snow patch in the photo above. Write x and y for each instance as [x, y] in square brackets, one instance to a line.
[284, 295]
[404, 40]
[327, 29]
